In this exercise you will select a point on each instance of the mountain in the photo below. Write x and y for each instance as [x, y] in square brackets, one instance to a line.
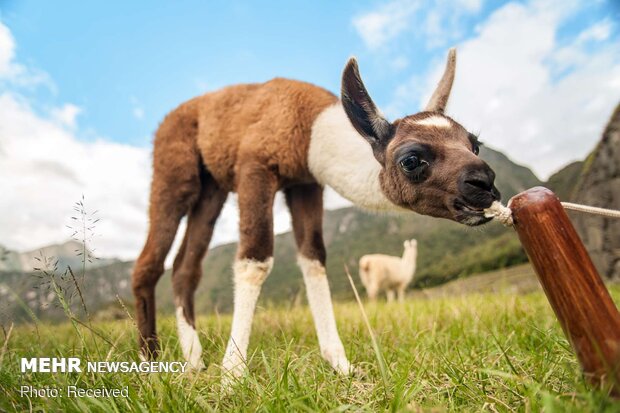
[447, 251]
[510, 177]
[28, 294]
[563, 181]
[599, 185]
[68, 254]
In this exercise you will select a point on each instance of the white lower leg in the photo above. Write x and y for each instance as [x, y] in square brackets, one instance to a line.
[190, 344]
[319, 299]
[249, 276]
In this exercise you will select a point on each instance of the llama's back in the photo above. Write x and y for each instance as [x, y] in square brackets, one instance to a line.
[269, 123]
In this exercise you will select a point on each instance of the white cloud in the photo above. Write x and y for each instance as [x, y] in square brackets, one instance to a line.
[381, 25]
[66, 115]
[597, 32]
[13, 72]
[44, 169]
[542, 103]
[437, 22]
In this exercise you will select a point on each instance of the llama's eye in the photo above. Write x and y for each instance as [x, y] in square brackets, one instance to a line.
[476, 149]
[409, 164]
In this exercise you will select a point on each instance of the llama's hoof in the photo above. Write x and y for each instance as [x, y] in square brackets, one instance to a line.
[230, 378]
[338, 360]
[196, 365]
[357, 372]
[233, 368]
[352, 370]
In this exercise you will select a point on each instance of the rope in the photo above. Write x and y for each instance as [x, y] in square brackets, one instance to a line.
[499, 212]
[504, 215]
[611, 213]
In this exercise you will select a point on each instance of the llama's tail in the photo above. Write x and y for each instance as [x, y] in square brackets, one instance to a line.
[364, 270]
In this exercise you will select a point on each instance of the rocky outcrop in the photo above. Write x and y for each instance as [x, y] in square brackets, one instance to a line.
[599, 185]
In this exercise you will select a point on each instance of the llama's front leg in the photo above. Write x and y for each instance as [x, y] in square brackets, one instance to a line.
[319, 299]
[389, 295]
[256, 189]
[306, 205]
[249, 276]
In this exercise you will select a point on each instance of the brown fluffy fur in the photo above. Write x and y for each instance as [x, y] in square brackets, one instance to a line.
[251, 139]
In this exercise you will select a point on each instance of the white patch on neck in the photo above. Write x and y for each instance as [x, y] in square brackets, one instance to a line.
[436, 121]
[341, 158]
[190, 343]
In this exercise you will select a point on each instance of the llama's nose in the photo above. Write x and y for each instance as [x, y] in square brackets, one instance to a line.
[476, 185]
[482, 178]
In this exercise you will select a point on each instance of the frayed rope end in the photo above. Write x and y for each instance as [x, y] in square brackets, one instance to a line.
[499, 212]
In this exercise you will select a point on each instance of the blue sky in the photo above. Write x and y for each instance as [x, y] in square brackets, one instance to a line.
[126, 64]
[83, 86]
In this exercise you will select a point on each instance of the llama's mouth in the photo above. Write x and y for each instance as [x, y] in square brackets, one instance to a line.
[468, 214]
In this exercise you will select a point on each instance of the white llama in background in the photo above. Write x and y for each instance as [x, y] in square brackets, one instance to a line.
[380, 272]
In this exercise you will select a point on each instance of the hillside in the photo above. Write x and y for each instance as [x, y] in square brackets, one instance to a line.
[24, 295]
[511, 178]
[599, 185]
[563, 181]
[518, 279]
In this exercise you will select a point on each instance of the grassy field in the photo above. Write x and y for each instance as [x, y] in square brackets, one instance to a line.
[481, 352]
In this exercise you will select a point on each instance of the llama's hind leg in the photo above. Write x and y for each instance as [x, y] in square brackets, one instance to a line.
[174, 189]
[256, 187]
[306, 205]
[389, 293]
[187, 269]
[166, 211]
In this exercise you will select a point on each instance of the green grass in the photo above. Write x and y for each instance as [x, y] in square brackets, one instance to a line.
[472, 353]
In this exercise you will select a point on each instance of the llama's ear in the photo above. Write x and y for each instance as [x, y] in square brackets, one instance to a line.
[365, 117]
[439, 100]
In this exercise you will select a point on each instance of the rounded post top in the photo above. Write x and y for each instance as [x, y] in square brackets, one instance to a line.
[536, 196]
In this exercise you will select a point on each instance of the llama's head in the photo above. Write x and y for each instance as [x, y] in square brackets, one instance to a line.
[429, 162]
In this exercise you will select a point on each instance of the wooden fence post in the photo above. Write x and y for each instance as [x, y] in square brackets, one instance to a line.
[574, 288]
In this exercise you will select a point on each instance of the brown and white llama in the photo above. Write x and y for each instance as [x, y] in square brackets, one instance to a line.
[380, 272]
[257, 139]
